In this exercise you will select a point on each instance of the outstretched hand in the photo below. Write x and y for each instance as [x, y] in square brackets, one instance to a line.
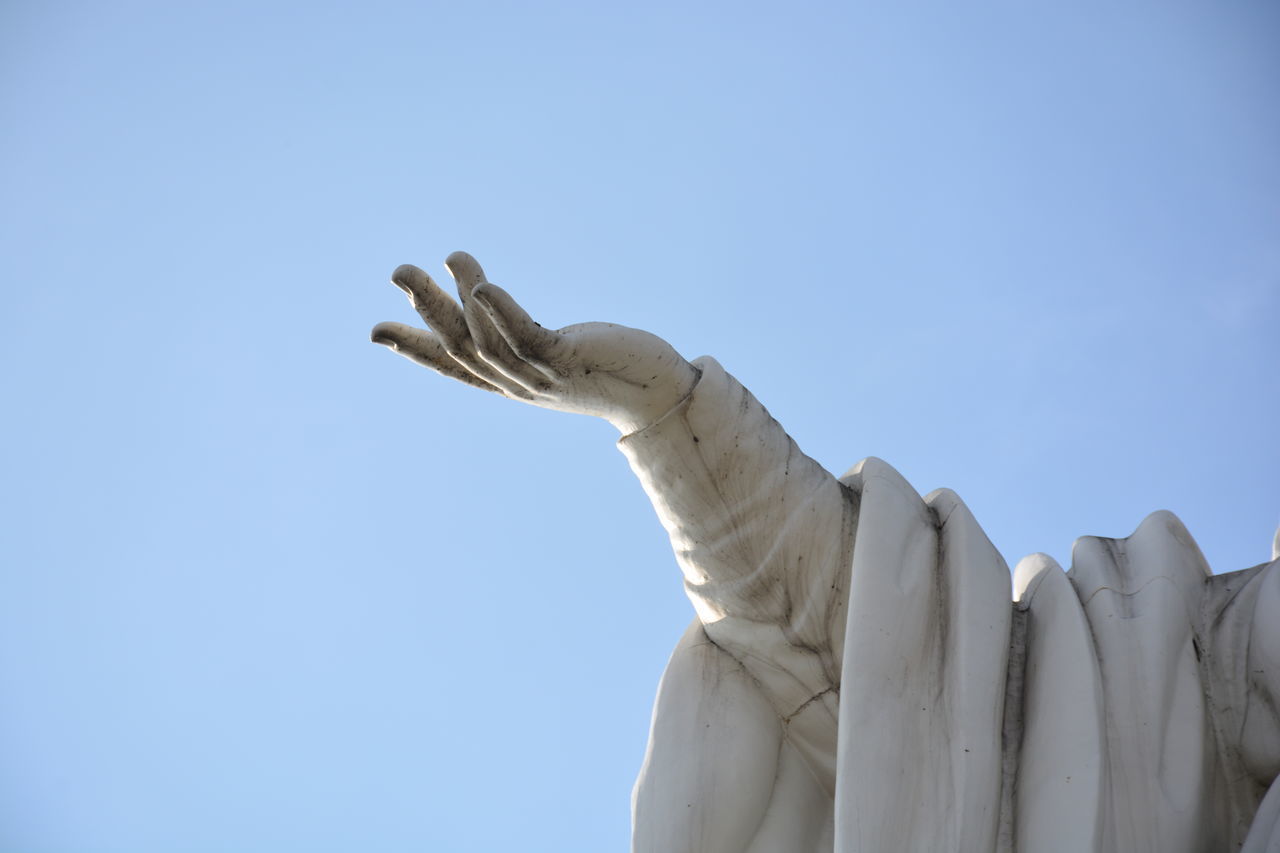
[626, 376]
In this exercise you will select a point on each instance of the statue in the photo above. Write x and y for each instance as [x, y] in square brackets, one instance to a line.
[856, 678]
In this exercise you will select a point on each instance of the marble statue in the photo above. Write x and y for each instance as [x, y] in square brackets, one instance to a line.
[858, 676]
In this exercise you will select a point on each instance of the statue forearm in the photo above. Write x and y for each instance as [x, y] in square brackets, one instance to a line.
[760, 530]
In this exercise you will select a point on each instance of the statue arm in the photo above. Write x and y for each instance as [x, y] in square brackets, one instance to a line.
[761, 531]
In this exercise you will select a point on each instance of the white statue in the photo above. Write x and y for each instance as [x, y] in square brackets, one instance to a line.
[856, 678]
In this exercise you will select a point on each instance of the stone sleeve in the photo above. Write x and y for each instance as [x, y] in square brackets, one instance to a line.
[760, 530]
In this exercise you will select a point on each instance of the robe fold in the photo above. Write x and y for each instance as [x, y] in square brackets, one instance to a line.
[859, 679]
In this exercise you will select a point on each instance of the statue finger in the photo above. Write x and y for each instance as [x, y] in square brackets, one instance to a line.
[423, 347]
[467, 274]
[489, 342]
[529, 342]
[437, 308]
[494, 351]
[442, 314]
[451, 327]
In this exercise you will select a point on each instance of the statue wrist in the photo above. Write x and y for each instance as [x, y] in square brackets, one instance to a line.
[657, 407]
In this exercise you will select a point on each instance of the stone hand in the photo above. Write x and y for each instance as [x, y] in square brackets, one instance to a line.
[626, 376]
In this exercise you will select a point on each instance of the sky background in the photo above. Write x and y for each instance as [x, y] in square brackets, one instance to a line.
[266, 587]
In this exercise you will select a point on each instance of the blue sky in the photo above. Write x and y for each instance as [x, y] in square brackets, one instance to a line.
[267, 587]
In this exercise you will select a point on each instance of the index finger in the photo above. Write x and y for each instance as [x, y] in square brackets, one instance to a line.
[466, 273]
[435, 306]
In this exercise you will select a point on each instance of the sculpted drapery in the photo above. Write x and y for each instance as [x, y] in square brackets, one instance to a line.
[856, 678]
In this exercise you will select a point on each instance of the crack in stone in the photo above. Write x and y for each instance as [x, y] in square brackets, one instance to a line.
[815, 697]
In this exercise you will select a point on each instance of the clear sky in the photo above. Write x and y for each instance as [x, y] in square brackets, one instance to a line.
[266, 587]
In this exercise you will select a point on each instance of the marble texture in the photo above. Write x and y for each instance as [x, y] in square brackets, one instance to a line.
[859, 674]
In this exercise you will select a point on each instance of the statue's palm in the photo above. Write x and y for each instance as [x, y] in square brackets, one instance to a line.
[624, 375]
